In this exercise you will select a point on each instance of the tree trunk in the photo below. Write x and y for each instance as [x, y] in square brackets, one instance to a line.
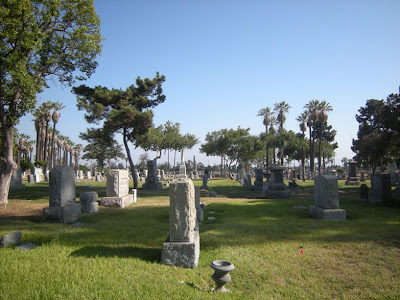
[7, 163]
[311, 151]
[133, 167]
[319, 151]
[303, 159]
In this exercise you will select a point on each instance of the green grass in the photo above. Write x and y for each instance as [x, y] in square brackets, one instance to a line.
[116, 255]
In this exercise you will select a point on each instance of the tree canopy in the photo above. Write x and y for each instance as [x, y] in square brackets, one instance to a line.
[40, 40]
[123, 111]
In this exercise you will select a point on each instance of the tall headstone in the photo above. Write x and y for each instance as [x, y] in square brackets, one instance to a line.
[241, 175]
[364, 192]
[62, 204]
[152, 181]
[276, 188]
[16, 179]
[326, 199]
[352, 178]
[38, 174]
[117, 189]
[89, 175]
[258, 183]
[380, 188]
[205, 182]
[182, 247]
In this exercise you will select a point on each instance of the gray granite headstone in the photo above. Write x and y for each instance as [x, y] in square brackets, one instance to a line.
[380, 188]
[182, 247]
[363, 192]
[62, 193]
[326, 199]
[16, 179]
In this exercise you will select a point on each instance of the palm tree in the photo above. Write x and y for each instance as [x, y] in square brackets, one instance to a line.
[323, 108]
[267, 114]
[312, 114]
[302, 119]
[281, 108]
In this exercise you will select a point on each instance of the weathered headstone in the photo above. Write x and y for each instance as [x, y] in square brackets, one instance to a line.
[89, 175]
[363, 192]
[16, 179]
[276, 188]
[380, 188]
[117, 189]
[241, 175]
[88, 202]
[10, 239]
[31, 178]
[152, 181]
[62, 205]
[326, 199]
[182, 247]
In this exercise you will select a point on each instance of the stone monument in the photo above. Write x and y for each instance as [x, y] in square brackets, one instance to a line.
[276, 188]
[152, 180]
[380, 188]
[37, 173]
[199, 209]
[352, 178]
[62, 205]
[326, 199]
[16, 179]
[258, 183]
[117, 189]
[205, 182]
[88, 202]
[182, 247]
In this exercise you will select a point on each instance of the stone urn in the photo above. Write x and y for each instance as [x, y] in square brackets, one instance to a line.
[221, 275]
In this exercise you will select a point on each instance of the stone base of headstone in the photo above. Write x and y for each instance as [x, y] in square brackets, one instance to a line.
[66, 214]
[17, 186]
[352, 181]
[90, 208]
[327, 214]
[277, 194]
[182, 254]
[152, 183]
[122, 201]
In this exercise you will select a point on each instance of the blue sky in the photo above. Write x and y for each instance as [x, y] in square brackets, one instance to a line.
[224, 60]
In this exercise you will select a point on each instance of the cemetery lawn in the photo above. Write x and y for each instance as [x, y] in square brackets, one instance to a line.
[278, 251]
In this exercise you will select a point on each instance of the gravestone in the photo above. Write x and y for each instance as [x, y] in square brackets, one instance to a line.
[37, 174]
[276, 188]
[205, 182]
[62, 205]
[258, 183]
[89, 175]
[163, 177]
[326, 199]
[380, 188]
[247, 181]
[199, 209]
[352, 178]
[10, 239]
[88, 202]
[182, 247]
[152, 181]
[117, 189]
[16, 179]
[31, 178]
[241, 175]
[195, 172]
[363, 192]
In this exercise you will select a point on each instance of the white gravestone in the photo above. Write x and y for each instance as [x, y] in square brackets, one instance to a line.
[117, 189]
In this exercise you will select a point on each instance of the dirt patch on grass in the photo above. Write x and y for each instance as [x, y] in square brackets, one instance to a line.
[22, 209]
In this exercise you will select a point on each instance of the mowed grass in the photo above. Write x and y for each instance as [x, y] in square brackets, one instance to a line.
[117, 254]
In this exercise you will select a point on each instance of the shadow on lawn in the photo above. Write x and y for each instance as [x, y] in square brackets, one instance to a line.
[146, 254]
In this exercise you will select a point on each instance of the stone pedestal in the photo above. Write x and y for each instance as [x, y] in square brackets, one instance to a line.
[276, 189]
[326, 199]
[89, 203]
[62, 205]
[182, 247]
[117, 189]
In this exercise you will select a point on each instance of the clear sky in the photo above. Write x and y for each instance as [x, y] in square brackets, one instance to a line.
[224, 60]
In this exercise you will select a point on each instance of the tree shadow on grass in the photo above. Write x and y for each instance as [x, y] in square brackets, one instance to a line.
[145, 254]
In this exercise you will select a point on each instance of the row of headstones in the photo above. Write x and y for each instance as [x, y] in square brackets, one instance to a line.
[62, 193]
